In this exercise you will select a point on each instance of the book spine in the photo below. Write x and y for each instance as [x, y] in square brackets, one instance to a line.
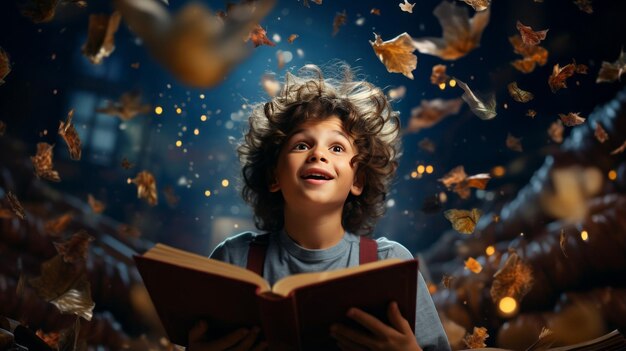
[279, 322]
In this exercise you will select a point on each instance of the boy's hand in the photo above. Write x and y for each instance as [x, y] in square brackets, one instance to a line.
[397, 336]
[240, 340]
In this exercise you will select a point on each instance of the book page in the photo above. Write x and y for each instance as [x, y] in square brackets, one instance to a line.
[286, 285]
[190, 260]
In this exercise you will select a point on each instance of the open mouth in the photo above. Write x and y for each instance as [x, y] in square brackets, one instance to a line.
[316, 176]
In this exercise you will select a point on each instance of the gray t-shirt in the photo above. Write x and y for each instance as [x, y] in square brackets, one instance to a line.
[285, 257]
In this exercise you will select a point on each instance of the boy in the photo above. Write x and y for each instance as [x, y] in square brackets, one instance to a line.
[317, 163]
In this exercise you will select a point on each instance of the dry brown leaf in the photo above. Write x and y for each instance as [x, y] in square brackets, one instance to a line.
[69, 134]
[270, 84]
[306, 2]
[406, 6]
[15, 205]
[600, 134]
[292, 38]
[127, 164]
[462, 183]
[51, 339]
[484, 108]
[258, 35]
[518, 94]
[75, 249]
[531, 113]
[560, 74]
[609, 72]
[478, 5]
[514, 279]
[39, 11]
[531, 55]
[55, 227]
[473, 265]
[530, 37]
[170, 196]
[620, 149]
[42, 162]
[446, 280]
[96, 206]
[562, 242]
[5, 65]
[146, 187]
[571, 119]
[476, 339]
[427, 145]
[438, 75]
[198, 47]
[101, 36]
[375, 11]
[396, 54]
[127, 108]
[340, 19]
[431, 112]
[514, 143]
[555, 131]
[460, 33]
[463, 221]
[584, 6]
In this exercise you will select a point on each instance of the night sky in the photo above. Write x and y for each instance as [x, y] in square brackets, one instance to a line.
[50, 76]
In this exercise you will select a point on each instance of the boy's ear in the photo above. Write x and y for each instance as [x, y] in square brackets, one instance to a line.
[274, 186]
[359, 183]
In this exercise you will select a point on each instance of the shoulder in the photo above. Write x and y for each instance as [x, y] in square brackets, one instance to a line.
[235, 247]
[392, 249]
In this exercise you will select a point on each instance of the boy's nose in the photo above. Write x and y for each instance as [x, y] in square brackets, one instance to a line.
[317, 155]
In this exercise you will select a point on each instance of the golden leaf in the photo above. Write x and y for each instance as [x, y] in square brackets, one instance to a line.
[530, 37]
[571, 119]
[600, 134]
[69, 134]
[431, 112]
[396, 54]
[514, 143]
[406, 6]
[518, 94]
[375, 11]
[463, 221]
[446, 280]
[258, 35]
[484, 108]
[461, 182]
[609, 72]
[560, 74]
[56, 227]
[460, 33]
[438, 75]
[96, 206]
[532, 55]
[339, 20]
[42, 162]
[270, 84]
[477, 338]
[514, 279]
[531, 113]
[397, 93]
[473, 265]
[100, 36]
[146, 187]
[76, 248]
[556, 131]
[127, 108]
[15, 205]
[292, 38]
[478, 5]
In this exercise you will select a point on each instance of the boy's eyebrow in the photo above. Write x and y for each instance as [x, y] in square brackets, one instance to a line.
[334, 130]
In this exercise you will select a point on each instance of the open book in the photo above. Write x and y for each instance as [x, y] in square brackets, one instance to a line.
[296, 313]
[613, 341]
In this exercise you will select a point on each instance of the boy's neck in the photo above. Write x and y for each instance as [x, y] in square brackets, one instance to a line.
[314, 231]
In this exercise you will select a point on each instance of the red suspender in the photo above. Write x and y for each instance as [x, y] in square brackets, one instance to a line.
[256, 253]
[368, 252]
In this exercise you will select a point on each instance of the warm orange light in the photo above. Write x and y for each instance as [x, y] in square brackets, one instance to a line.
[442, 86]
[179, 110]
[429, 169]
[490, 250]
[179, 143]
[158, 110]
[414, 174]
[196, 131]
[612, 175]
[203, 118]
[224, 182]
[507, 305]
[207, 193]
[421, 169]
[584, 235]
[498, 171]
[452, 83]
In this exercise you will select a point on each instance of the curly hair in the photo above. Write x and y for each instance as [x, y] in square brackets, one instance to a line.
[366, 116]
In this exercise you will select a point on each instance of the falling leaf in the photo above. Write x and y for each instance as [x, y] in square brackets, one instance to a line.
[375, 11]
[562, 242]
[571, 119]
[483, 108]
[431, 112]
[462, 183]
[396, 54]
[198, 47]
[146, 187]
[518, 94]
[340, 19]
[609, 72]
[556, 131]
[584, 6]
[128, 107]
[530, 37]
[531, 113]
[620, 149]
[473, 265]
[3, 128]
[40, 11]
[478, 5]
[460, 33]
[56, 227]
[514, 143]
[15, 205]
[76, 248]
[96, 206]
[476, 339]
[258, 35]
[42, 162]
[600, 134]
[170, 196]
[292, 38]
[514, 279]
[100, 36]
[397, 93]
[531, 55]
[560, 74]
[446, 280]
[270, 84]
[127, 164]
[76, 300]
[406, 6]
[438, 75]
[69, 134]
[427, 145]
[51, 339]
[306, 2]
[463, 221]
[5, 65]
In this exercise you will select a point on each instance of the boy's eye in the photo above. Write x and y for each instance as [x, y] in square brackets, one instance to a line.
[337, 148]
[300, 146]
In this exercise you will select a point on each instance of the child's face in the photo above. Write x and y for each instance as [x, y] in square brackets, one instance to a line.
[314, 165]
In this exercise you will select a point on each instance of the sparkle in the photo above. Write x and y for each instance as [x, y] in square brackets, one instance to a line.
[158, 110]
[225, 183]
